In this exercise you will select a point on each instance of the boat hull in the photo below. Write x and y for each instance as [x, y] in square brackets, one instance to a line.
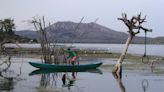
[65, 66]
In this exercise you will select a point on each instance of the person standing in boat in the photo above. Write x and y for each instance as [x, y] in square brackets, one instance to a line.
[72, 56]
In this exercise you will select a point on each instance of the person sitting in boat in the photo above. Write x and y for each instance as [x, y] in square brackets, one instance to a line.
[72, 56]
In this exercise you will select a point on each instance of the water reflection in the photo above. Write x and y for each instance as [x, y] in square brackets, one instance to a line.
[145, 85]
[48, 71]
[49, 80]
[119, 81]
[8, 77]
[6, 84]
[62, 78]
[68, 81]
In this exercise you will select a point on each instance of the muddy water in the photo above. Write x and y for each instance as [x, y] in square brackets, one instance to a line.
[17, 79]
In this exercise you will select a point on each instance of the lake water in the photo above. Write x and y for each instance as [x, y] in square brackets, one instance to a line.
[139, 78]
[143, 80]
[133, 48]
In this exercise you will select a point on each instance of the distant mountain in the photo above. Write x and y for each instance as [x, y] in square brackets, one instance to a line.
[85, 33]
[27, 33]
[158, 40]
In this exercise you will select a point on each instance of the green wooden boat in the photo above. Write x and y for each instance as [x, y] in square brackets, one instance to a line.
[67, 67]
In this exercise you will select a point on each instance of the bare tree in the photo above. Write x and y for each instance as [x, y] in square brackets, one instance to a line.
[39, 25]
[50, 53]
[134, 26]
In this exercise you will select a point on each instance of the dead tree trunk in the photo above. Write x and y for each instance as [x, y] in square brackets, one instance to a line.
[133, 24]
[118, 67]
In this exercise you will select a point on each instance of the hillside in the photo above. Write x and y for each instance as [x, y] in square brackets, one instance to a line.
[85, 33]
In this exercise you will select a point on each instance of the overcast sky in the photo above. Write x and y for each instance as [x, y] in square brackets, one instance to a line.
[73, 10]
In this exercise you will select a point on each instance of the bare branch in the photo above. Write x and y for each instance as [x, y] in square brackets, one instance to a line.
[134, 23]
[145, 29]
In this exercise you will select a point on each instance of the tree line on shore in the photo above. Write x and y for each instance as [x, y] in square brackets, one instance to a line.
[7, 32]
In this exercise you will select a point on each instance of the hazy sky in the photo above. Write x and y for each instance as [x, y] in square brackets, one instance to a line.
[73, 10]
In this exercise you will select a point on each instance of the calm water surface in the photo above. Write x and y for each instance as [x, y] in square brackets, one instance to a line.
[91, 81]
[133, 48]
